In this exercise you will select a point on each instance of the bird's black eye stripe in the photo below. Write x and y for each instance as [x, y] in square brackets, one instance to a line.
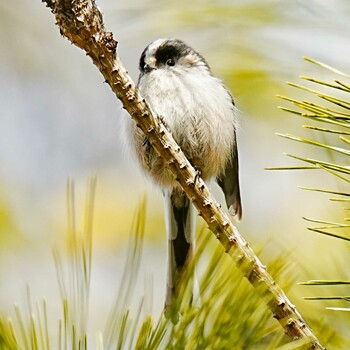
[142, 60]
[169, 53]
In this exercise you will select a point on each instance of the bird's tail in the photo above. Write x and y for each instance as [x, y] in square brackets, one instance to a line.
[180, 224]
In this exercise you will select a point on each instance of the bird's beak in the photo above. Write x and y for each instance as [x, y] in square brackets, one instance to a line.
[147, 68]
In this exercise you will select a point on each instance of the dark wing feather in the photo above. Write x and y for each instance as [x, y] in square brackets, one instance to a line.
[229, 182]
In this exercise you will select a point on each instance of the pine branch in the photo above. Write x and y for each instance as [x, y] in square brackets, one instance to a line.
[81, 22]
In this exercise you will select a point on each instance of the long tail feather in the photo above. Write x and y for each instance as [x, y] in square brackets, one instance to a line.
[180, 224]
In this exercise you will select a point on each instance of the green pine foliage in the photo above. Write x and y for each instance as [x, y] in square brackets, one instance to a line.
[329, 116]
[230, 315]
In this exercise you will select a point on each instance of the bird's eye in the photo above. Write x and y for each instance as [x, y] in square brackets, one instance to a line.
[170, 62]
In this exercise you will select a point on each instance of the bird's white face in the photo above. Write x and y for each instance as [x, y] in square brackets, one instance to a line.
[170, 54]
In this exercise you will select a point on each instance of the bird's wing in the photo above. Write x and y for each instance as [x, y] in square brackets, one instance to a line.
[229, 182]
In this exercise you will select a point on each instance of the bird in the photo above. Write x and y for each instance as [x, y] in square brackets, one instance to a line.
[195, 106]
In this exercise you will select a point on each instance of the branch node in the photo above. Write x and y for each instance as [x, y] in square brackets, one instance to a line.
[291, 322]
[218, 235]
[253, 276]
[207, 202]
[130, 97]
[232, 239]
[231, 242]
[212, 219]
[127, 87]
[281, 303]
[189, 182]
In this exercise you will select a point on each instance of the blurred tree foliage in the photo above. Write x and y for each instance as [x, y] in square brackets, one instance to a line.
[9, 231]
[329, 114]
[231, 315]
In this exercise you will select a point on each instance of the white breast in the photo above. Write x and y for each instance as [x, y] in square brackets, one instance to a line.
[198, 111]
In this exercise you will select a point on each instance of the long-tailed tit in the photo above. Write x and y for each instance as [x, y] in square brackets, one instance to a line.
[199, 111]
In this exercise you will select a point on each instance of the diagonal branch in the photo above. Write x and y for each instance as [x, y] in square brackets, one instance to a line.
[81, 22]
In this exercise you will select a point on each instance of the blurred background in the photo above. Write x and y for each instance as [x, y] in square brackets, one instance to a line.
[58, 120]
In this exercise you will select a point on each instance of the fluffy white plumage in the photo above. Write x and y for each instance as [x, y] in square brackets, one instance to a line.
[199, 112]
[196, 108]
